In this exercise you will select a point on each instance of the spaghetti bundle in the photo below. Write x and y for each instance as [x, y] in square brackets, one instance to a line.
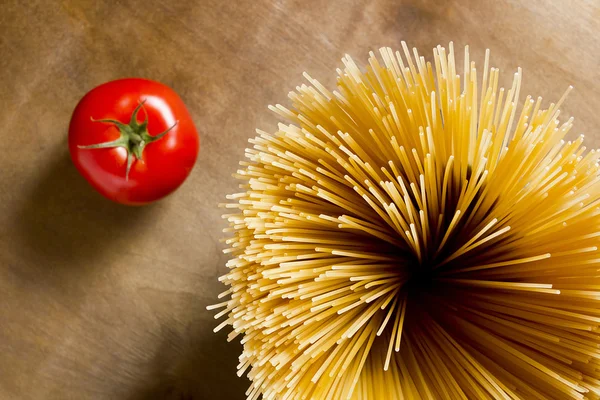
[416, 235]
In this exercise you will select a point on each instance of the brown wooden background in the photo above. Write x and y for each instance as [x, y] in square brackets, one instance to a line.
[100, 301]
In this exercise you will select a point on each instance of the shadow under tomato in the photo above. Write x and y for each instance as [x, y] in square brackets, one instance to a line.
[64, 222]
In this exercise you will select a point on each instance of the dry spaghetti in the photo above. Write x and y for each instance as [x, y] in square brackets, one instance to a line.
[415, 235]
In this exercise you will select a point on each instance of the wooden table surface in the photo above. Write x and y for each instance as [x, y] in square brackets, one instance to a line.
[101, 301]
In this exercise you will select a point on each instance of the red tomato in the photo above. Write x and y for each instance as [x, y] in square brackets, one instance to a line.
[133, 140]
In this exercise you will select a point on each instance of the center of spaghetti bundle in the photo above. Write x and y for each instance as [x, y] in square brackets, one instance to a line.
[413, 234]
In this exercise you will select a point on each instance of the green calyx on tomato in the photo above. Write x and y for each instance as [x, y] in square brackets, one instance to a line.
[134, 136]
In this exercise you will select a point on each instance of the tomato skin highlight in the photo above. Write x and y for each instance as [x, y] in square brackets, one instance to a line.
[164, 164]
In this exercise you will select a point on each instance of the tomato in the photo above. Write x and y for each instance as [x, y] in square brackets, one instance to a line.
[133, 140]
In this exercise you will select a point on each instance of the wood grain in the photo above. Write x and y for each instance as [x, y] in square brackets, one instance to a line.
[99, 301]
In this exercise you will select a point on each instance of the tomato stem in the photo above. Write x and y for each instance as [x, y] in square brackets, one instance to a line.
[134, 136]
